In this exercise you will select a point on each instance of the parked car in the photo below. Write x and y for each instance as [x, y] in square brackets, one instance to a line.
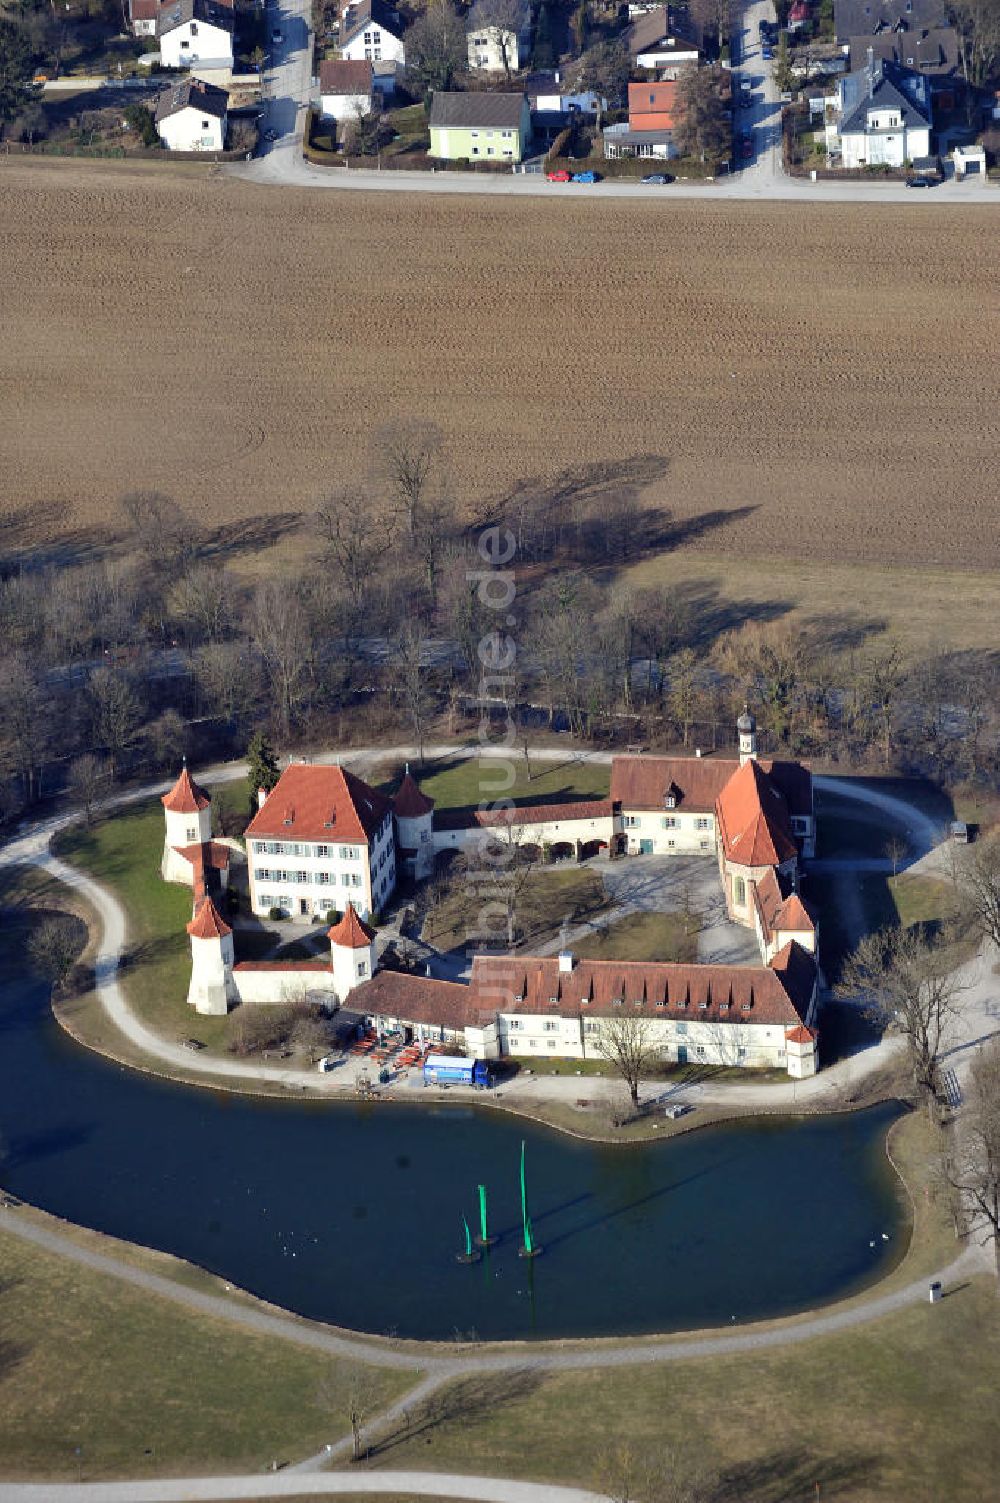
[767, 52]
[276, 36]
[562, 176]
[586, 177]
[746, 145]
[657, 178]
[270, 134]
[920, 180]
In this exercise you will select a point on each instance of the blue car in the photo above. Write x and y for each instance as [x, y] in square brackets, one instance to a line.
[586, 177]
[767, 53]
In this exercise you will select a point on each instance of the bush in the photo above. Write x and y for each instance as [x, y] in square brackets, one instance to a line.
[254, 1028]
[276, 914]
[332, 917]
[140, 120]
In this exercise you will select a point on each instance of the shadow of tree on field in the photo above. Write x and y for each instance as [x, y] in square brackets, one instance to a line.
[35, 537]
[794, 1473]
[463, 1402]
[249, 534]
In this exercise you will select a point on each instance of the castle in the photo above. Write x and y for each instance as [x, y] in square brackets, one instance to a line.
[323, 843]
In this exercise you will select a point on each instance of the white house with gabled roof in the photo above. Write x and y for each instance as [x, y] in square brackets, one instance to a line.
[195, 32]
[321, 839]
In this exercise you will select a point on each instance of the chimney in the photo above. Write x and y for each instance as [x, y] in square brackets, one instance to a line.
[261, 797]
[565, 961]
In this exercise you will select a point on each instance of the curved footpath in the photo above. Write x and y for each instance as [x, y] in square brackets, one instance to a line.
[31, 847]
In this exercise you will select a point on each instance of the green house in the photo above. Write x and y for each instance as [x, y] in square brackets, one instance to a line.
[480, 127]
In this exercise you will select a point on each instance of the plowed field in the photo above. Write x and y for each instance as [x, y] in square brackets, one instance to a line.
[827, 374]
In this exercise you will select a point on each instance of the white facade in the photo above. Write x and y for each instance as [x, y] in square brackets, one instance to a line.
[552, 832]
[345, 106]
[650, 833]
[374, 44]
[887, 142]
[305, 879]
[211, 990]
[760, 1045]
[416, 833]
[667, 58]
[183, 830]
[351, 967]
[497, 49]
[196, 42]
[192, 130]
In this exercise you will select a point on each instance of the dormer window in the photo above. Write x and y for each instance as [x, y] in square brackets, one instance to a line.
[518, 996]
[553, 1001]
[745, 1006]
[702, 1006]
[617, 1001]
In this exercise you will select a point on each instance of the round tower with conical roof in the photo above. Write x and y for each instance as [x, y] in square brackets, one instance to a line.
[187, 812]
[212, 989]
[746, 730]
[352, 953]
[413, 813]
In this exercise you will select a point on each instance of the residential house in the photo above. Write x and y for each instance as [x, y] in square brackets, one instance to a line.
[372, 32]
[191, 116]
[931, 50]
[346, 88]
[480, 127]
[143, 14]
[657, 43]
[884, 116]
[321, 838]
[798, 15]
[872, 18]
[195, 32]
[652, 117]
[499, 49]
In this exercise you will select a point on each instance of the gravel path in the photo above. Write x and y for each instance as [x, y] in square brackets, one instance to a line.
[292, 1485]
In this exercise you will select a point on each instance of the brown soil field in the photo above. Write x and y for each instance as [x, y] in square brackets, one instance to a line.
[826, 375]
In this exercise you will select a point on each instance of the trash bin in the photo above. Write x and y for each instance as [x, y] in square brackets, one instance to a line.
[934, 1292]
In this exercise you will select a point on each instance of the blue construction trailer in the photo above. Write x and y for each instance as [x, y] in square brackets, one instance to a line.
[450, 1069]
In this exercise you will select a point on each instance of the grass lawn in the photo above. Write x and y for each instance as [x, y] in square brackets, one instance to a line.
[550, 899]
[466, 783]
[643, 936]
[124, 854]
[901, 1411]
[142, 1385]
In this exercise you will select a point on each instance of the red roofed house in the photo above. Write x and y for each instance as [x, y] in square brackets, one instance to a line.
[321, 838]
[190, 855]
[212, 990]
[780, 915]
[346, 88]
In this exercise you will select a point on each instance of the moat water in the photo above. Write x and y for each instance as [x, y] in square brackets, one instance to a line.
[353, 1214]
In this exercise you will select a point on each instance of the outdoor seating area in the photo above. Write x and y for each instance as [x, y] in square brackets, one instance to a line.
[390, 1051]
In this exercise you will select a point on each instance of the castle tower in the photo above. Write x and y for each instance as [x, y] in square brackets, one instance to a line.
[746, 729]
[352, 953]
[212, 987]
[414, 815]
[187, 811]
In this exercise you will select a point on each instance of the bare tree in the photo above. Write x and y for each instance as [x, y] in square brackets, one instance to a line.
[979, 884]
[508, 857]
[909, 983]
[116, 714]
[161, 531]
[973, 1169]
[26, 722]
[354, 539]
[228, 678]
[54, 946]
[280, 632]
[668, 1474]
[407, 453]
[203, 598]
[436, 49]
[703, 127]
[896, 850]
[409, 681]
[627, 1042]
[86, 781]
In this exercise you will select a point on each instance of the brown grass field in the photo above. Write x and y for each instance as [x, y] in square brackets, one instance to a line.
[827, 375]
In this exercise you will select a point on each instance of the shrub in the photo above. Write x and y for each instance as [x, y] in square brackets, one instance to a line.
[140, 120]
[332, 917]
[276, 914]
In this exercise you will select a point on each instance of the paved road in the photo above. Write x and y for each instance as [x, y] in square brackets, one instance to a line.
[289, 85]
[285, 1485]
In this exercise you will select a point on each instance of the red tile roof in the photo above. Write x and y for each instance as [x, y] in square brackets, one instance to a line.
[284, 965]
[212, 854]
[800, 1035]
[695, 782]
[318, 803]
[781, 911]
[753, 819]
[523, 816]
[185, 797]
[747, 994]
[415, 999]
[208, 922]
[351, 932]
[797, 971]
[409, 802]
[342, 76]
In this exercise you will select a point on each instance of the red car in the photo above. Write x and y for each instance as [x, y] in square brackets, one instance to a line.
[562, 176]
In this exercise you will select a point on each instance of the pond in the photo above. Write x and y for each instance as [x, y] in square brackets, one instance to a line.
[353, 1214]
